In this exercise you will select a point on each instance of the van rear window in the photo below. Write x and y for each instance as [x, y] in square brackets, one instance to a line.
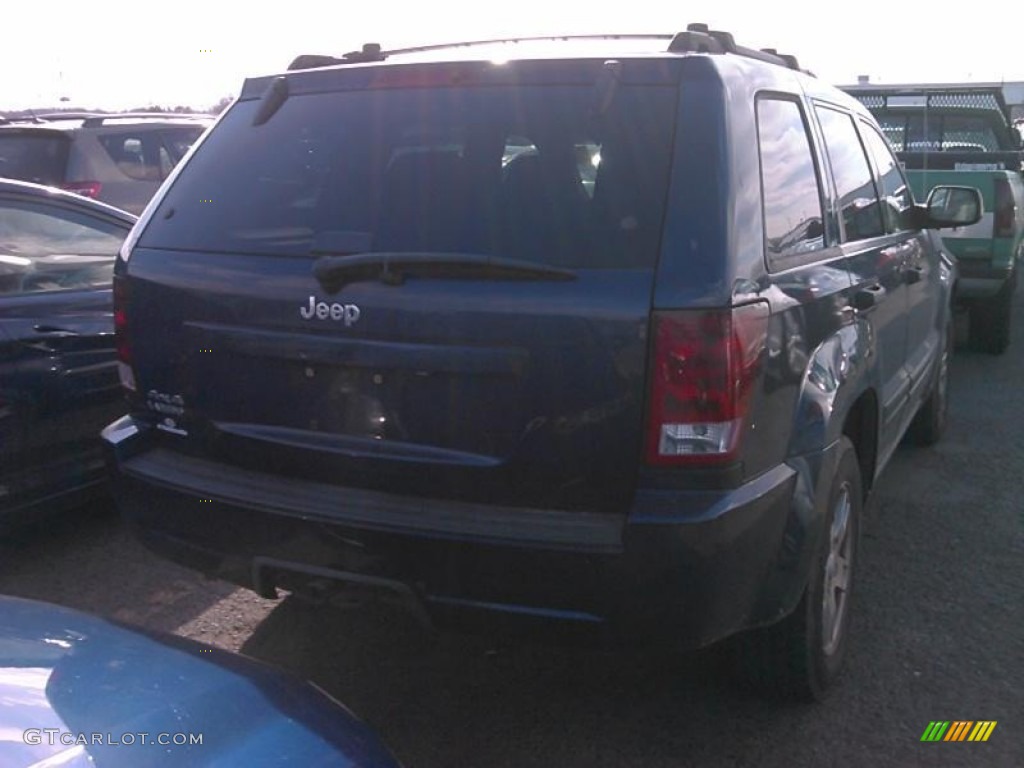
[937, 132]
[531, 172]
[39, 157]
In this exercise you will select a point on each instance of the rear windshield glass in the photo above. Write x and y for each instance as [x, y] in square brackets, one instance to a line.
[937, 132]
[40, 158]
[530, 172]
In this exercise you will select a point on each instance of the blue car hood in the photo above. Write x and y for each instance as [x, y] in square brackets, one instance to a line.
[76, 690]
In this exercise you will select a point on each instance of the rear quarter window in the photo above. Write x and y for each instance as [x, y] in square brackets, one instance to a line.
[136, 154]
[149, 154]
[790, 186]
[178, 139]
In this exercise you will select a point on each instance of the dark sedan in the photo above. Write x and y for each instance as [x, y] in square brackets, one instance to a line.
[58, 374]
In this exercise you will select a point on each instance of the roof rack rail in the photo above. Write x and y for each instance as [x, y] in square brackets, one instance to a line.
[374, 52]
[21, 119]
[77, 115]
[697, 38]
[98, 118]
[95, 120]
[313, 61]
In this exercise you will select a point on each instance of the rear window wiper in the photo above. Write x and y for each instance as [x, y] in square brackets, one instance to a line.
[335, 270]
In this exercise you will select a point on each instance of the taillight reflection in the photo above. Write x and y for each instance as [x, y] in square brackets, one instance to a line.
[1006, 209]
[121, 341]
[84, 188]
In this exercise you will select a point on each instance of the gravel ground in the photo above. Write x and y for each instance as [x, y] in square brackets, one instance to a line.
[938, 633]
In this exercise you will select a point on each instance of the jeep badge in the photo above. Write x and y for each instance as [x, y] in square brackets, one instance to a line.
[321, 310]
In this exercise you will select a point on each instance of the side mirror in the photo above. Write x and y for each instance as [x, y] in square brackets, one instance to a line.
[950, 206]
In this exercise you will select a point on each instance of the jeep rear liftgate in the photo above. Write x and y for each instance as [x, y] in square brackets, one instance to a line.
[460, 313]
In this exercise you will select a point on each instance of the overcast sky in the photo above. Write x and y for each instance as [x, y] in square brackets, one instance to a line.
[113, 54]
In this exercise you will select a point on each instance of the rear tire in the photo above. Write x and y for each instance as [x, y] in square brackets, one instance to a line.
[930, 421]
[800, 657]
[990, 320]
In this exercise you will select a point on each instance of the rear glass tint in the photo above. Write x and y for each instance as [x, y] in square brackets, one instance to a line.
[529, 172]
[41, 157]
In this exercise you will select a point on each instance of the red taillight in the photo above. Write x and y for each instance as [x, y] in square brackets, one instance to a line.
[1006, 209]
[121, 341]
[703, 370]
[84, 188]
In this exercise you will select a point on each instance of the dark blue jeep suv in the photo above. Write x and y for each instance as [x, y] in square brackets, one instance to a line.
[618, 331]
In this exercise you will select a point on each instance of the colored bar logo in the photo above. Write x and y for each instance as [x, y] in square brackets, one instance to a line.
[958, 730]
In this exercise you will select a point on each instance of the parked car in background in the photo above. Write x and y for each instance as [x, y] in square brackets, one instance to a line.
[58, 381]
[120, 159]
[80, 691]
[964, 136]
[612, 331]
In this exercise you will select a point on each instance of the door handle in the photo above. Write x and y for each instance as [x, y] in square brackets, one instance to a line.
[913, 275]
[866, 298]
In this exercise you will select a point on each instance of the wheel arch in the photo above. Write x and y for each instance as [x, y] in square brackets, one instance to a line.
[838, 397]
[861, 426]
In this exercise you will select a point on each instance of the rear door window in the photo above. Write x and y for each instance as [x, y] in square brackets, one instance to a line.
[40, 157]
[790, 185]
[858, 198]
[136, 154]
[529, 172]
[49, 248]
[896, 195]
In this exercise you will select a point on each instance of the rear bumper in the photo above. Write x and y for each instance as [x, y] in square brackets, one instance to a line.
[698, 565]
